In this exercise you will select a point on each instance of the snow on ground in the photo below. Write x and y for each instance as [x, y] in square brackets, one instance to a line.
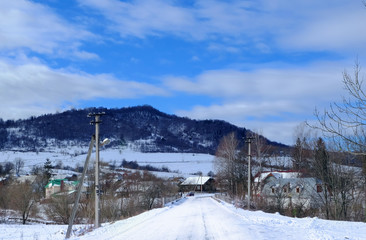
[184, 163]
[199, 217]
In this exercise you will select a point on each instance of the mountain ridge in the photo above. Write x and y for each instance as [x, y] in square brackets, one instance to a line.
[147, 127]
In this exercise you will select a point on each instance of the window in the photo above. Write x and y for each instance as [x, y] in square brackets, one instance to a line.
[285, 189]
[273, 190]
[319, 188]
[297, 189]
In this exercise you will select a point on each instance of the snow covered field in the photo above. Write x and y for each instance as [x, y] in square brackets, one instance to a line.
[184, 163]
[199, 217]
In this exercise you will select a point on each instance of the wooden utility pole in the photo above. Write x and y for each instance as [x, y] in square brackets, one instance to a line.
[80, 187]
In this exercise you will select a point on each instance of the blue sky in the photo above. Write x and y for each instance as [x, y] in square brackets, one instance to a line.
[262, 64]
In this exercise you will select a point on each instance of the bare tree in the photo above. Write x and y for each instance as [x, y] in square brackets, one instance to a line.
[155, 190]
[8, 167]
[4, 196]
[22, 199]
[109, 209]
[260, 150]
[345, 122]
[59, 208]
[19, 164]
[231, 165]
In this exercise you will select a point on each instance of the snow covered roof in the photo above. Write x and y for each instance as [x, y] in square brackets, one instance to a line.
[57, 182]
[199, 180]
[277, 175]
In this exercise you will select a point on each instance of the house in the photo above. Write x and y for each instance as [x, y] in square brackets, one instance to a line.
[289, 192]
[56, 186]
[263, 177]
[198, 183]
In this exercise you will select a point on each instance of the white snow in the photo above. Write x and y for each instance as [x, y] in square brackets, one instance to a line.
[196, 180]
[184, 163]
[199, 217]
[276, 174]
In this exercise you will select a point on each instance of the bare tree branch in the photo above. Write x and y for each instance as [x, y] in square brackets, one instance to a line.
[345, 122]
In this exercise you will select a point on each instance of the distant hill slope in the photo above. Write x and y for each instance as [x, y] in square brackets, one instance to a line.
[144, 126]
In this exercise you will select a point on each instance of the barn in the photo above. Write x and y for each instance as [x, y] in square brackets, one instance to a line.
[198, 183]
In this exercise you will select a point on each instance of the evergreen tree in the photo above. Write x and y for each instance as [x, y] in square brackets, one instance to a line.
[47, 169]
[301, 155]
[321, 170]
[322, 161]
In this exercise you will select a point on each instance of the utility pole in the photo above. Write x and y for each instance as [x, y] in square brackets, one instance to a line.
[80, 187]
[97, 190]
[95, 139]
[249, 141]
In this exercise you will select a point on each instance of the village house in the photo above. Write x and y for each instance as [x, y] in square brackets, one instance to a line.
[198, 183]
[288, 188]
[262, 178]
[288, 192]
[57, 186]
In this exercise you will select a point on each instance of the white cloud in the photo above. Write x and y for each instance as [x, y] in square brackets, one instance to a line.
[287, 83]
[265, 98]
[143, 18]
[29, 25]
[34, 88]
[202, 20]
[230, 25]
[334, 27]
[246, 115]
[195, 59]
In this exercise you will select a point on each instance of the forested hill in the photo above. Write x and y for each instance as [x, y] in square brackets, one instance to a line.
[146, 128]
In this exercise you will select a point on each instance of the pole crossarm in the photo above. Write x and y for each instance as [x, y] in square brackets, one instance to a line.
[97, 117]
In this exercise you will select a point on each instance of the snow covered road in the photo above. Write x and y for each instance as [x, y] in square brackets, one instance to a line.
[202, 217]
[199, 217]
